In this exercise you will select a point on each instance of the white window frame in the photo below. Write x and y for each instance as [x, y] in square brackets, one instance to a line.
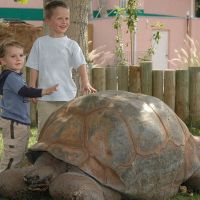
[195, 8]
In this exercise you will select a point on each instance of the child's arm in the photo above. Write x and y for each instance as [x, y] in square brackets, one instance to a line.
[86, 87]
[33, 78]
[36, 92]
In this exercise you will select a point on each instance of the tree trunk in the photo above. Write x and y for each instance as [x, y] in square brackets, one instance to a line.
[78, 29]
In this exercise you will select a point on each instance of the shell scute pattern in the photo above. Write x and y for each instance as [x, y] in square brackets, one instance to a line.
[116, 138]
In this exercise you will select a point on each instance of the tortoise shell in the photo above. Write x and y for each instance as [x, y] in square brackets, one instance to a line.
[132, 143]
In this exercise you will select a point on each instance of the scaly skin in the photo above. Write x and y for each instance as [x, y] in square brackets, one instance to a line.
[63, 181]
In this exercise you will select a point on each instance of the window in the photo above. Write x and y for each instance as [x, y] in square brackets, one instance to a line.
[197, 8]
[122, 3]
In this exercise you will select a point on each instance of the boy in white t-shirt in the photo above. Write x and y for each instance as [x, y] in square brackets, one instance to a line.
[52, 59]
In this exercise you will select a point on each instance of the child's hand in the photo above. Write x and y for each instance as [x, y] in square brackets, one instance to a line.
[50, 90]
[34, 100]
[87, 88]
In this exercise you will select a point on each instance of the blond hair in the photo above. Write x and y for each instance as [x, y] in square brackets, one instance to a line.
[9, 43]
[50, 7]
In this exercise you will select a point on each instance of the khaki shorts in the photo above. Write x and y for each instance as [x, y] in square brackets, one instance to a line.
[15, 141]
[45, 109]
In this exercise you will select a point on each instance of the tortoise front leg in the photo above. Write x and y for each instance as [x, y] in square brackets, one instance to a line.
[45, 169]
[72, 185]
[12, 185]
[193, 182]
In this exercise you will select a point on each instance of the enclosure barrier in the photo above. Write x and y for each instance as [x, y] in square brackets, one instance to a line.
[179, 89]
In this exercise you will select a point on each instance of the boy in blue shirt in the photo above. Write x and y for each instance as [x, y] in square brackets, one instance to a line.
[15, 119]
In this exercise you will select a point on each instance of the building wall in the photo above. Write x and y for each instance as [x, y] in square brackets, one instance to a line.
[176, 36]
[32, 4]
[168, 7]
[110, 4]
[177, 26]
[165, 7]
[105, 37]
[104, 33]
[113, 3]
[143, 35]
[13, 4]
[195, 29]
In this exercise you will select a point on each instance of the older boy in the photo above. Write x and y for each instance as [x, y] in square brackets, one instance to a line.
[52, 59]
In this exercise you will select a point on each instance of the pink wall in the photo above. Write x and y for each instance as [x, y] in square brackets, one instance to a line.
[176, 26]
[144, 32]
[195, 32]
[30, 4]
[167, 7]
[176, 36]
[104, 33]
[12, 4]
[110, 4]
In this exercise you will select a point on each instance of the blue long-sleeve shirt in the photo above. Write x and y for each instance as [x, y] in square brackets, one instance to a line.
[15, 97]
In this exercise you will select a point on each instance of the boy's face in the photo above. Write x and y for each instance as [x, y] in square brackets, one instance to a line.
[14, 58]
[59, 22]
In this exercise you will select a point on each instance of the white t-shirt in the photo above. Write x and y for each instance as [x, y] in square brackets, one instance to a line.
[54, 58]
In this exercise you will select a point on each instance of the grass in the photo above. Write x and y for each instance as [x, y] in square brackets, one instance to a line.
[187, 56]
[186, 196]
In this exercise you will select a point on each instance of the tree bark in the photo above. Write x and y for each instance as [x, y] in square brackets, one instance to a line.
[79, 22]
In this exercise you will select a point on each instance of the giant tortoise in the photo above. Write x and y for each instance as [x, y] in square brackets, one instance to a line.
[109, 145]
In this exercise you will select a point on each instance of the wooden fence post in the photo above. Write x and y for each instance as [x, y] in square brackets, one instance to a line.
[122, 73]
[146, 77]
[194, 96]
[182, 95]
[111, 78]
[33, 107]
[99, 78]
[89, 72]
[134, 79]
[157, 83]
[169, 88]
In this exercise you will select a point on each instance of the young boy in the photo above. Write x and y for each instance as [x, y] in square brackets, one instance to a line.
[15, 119]
[52, 58]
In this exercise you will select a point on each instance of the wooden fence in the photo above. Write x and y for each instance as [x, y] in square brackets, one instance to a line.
[179, 89]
